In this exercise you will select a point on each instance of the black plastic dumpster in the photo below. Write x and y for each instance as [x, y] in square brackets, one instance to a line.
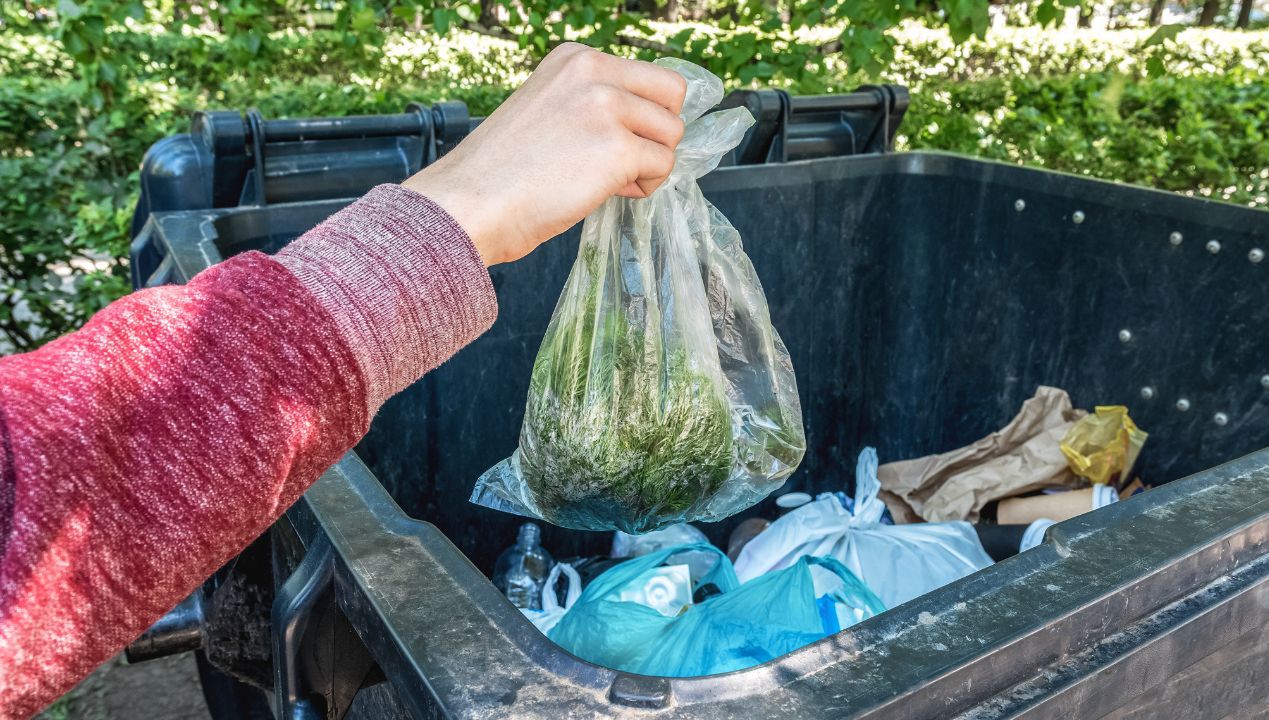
[923, 297]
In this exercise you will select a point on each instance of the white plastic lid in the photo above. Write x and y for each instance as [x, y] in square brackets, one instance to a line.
[793, 500]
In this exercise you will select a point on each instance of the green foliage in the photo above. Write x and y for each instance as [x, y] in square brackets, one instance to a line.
[70, 146]
[1093, 106]
[87, 85]
[1203, 135]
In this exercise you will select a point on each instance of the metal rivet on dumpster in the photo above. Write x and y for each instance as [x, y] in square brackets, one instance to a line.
[1175, 238]
[1019, 204]
[1213, 246]
[1147, 393]
[1125, 335]
[1220, 419]
[1077, 217]
[1256, 255]
[1182, 404]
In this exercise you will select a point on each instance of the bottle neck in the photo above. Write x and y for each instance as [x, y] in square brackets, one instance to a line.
[529, 536]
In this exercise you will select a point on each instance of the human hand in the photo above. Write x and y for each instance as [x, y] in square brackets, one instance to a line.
[585, 126]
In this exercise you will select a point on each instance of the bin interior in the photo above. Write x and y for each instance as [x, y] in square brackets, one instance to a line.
[923, 298]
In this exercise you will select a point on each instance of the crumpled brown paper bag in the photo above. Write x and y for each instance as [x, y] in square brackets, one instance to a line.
[1021, 457]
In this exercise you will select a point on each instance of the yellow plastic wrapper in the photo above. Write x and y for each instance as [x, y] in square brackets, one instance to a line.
[1103, 446]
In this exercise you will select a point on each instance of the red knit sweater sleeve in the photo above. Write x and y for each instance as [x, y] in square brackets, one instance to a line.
[142, 452]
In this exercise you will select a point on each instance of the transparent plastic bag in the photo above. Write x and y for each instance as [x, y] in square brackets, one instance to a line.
[661, 393]
[625, 545]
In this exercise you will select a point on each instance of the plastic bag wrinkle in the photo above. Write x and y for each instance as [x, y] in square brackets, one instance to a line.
[661, 392]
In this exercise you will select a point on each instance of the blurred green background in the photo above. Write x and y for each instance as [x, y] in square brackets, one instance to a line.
[1158, 93]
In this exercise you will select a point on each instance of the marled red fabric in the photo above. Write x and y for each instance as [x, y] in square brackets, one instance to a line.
[371, 266]
[142, 452]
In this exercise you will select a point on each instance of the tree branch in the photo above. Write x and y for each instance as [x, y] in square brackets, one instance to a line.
[498, 31]
[494, 31]
[645, 44]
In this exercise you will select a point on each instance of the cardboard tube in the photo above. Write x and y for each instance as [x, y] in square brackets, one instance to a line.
[1058, 506]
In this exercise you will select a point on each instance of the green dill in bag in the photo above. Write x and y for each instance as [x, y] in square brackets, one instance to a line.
[661, 392]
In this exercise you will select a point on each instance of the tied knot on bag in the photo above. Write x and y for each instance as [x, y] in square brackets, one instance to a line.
[706, 137]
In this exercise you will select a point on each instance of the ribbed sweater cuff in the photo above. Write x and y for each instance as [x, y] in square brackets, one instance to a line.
[402, 280]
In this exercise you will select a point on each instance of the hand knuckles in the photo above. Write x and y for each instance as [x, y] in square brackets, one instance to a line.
[680, 90]
[566, 49]
[586, 62]
[666, 162]
[605, 98]
[677, 128]
[622, 145]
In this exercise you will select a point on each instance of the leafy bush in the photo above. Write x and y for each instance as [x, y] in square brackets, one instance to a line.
[1205, 135]
[1069, 101]
[69, 170]
[924, 55]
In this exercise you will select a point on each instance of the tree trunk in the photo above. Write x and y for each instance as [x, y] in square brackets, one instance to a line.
[1156, 12]
[488, 14]
[1210, 9]
[664, 10]
[1086, 16]
[1244, 14]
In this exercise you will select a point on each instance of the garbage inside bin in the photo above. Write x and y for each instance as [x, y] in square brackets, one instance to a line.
[551, 610]
[1103, 447]
[1056, 506]
[661, 392]
[747, 530]
[625, 545]
[1021, 457]
[522, 569]
[666, 589]
[1001, 541]
[793, 500]
[1132, 488]
[741, 626]
[1035, 534]
[898, 562]
[589, 567]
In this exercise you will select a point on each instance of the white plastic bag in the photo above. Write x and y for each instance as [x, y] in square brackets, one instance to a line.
[661, 392]
[700, 563]
[552, 611]
[897, 562]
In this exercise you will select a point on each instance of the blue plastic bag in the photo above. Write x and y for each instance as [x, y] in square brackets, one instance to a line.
[742, 626]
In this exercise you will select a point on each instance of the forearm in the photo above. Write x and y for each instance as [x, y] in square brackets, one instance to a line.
[403, 282]
[145, 450]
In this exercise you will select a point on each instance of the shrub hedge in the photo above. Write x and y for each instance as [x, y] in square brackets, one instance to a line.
[1075, 102]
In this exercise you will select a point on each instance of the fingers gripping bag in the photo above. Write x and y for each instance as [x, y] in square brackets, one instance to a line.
[661, 393]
